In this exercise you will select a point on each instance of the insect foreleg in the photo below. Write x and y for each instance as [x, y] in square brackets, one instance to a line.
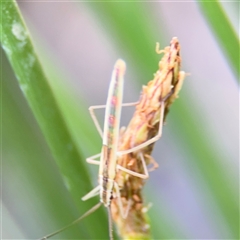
[94, 117]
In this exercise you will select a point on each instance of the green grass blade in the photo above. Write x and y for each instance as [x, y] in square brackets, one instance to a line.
[224, 32]
[17, 44]
[131, 29]
[28, 171]
[207, 161]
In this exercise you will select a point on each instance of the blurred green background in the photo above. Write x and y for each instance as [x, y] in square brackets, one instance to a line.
[195, 191]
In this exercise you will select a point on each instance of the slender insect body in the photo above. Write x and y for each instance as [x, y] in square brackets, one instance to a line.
[108, 160]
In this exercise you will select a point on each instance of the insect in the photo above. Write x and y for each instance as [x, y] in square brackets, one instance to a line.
[108, 167]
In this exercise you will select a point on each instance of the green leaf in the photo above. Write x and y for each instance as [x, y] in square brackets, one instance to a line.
[33, 82]
[224, 32]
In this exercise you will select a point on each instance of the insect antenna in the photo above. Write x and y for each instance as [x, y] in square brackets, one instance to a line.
[110, 225]
[93, 209]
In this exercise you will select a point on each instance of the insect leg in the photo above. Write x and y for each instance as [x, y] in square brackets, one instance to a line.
[93, 209]
[92, 160]
[92, 193]
[150, 141]
[153, 162]
[94, 117]
[144, 175]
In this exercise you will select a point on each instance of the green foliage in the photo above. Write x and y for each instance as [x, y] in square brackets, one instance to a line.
[222, 28]
[48, 126]
[17, 44]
